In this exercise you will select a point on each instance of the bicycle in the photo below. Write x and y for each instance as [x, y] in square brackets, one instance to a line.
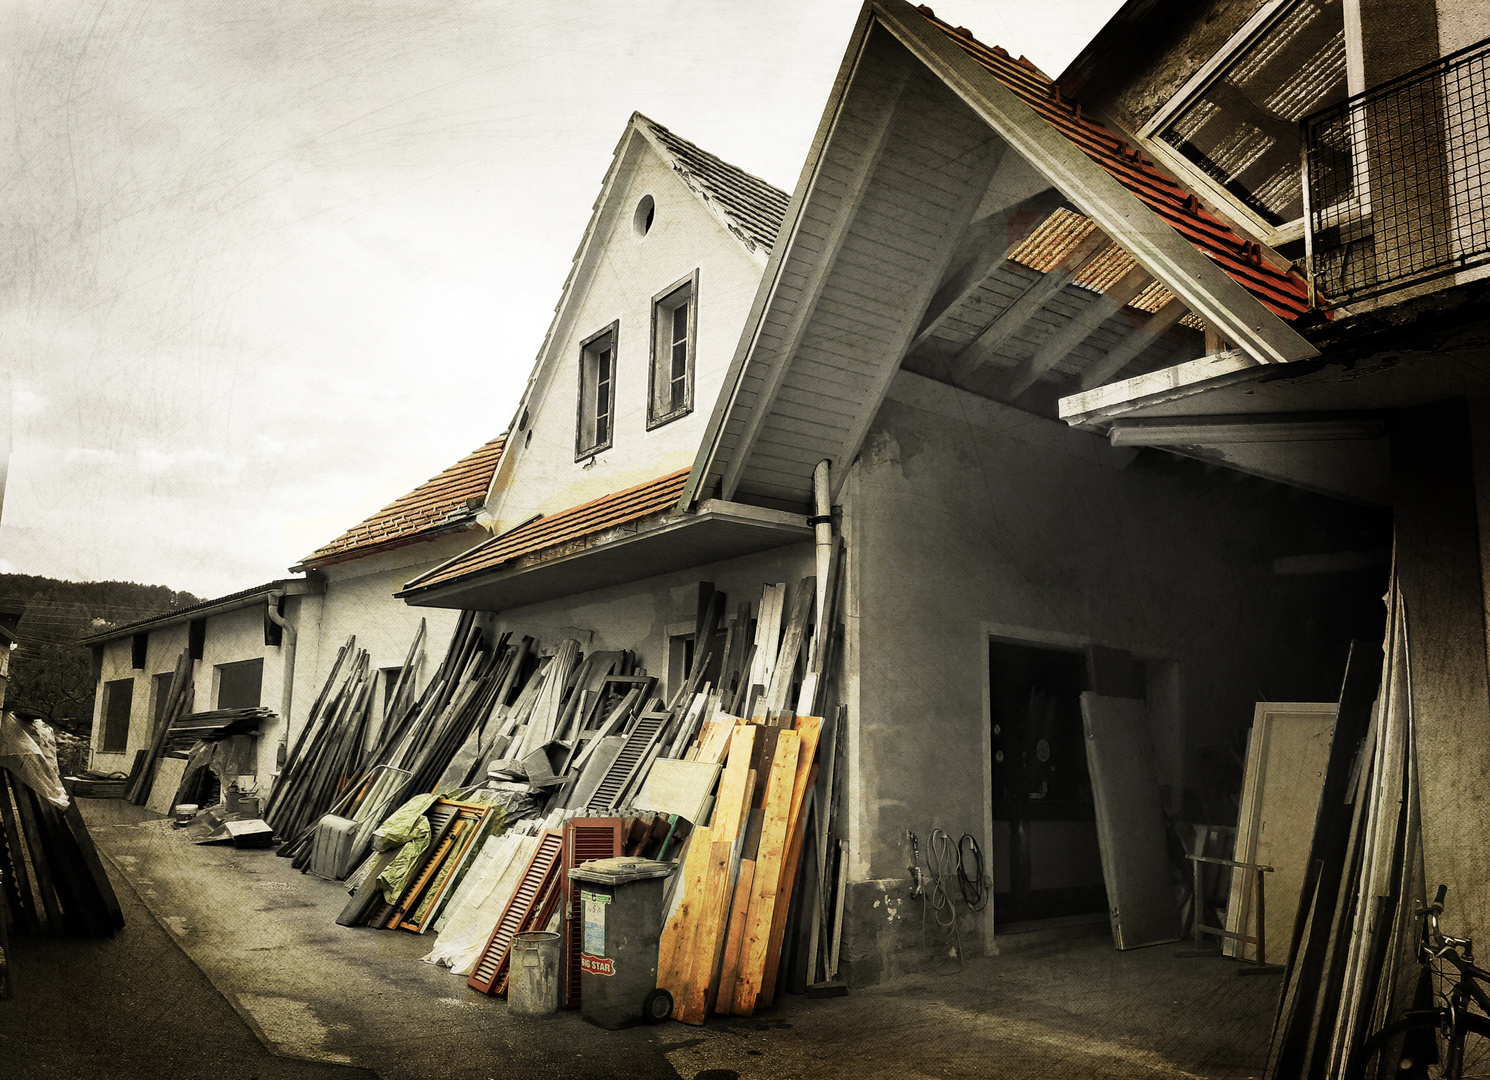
[1432, 1042]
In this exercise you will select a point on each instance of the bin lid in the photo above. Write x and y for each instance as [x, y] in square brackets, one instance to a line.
[620, 870]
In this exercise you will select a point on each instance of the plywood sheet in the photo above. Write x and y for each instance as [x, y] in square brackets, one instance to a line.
[1130, 821]
[677, 787]
[1286, 760]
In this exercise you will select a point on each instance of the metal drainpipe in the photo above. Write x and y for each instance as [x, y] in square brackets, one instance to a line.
[287, 655]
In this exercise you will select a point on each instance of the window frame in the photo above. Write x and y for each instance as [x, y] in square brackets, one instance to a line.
[587, 440]
[1260, 23]
[232, 671]
[663, 346]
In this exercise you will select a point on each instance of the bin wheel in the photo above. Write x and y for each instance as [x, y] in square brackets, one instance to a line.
[657, 1006]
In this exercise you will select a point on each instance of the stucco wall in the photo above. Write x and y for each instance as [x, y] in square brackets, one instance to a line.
[617, 283]
[967, 519]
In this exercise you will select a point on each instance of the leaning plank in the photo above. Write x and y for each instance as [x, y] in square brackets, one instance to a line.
[809, 729]
[707, 940]
[675, 947]
[768, 867]
[729, 967]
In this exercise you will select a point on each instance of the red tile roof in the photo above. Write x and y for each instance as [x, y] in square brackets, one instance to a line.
[1285, 294]
[560, 533]
[446, 499]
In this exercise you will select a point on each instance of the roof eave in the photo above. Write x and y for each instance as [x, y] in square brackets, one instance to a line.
[307, 586]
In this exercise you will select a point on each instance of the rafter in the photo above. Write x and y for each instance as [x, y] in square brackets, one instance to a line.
[1003, 232]
[1023, 309]
[1139, 338]
[1079, 327]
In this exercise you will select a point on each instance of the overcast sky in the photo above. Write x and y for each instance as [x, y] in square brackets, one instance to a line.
[269, 265]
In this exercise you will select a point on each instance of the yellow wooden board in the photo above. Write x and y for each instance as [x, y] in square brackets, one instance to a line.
[769, 860]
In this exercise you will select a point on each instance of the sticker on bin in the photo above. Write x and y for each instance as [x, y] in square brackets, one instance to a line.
[593, 937]
[597, 965]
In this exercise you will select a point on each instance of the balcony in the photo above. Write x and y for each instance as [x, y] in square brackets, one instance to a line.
[1396, 181]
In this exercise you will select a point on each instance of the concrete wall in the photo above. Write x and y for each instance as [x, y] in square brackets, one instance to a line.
[358, 601]
[232, 636]
[618, 282]
[965, 520]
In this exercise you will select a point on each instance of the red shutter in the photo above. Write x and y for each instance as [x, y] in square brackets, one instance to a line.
[533, 889]
[585, 840]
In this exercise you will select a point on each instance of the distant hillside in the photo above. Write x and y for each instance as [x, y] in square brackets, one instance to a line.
[48, 670]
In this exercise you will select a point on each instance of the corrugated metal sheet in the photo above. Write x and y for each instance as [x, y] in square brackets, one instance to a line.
[1284, 293]
[562, 531]
[427, 507]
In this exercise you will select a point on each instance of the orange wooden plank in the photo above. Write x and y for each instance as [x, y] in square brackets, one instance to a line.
[731, 806]
[708, 937]
[729, 967]
[810, 728]
[675, 947]
[768, 865]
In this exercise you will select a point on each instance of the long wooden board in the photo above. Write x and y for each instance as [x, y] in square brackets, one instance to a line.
[1130, 821]
[769, 862]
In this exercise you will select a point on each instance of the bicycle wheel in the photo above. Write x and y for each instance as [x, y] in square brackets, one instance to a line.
[1417, 1046]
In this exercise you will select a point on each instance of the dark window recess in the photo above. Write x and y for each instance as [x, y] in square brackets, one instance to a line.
[597, 393]
[239, 685]
[196, 638]
[274, 634]
[160, 693]
[1243, 129]
[139, 645]
[118, 697]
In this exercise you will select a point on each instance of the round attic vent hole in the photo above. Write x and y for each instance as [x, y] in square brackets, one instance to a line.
[646, 210]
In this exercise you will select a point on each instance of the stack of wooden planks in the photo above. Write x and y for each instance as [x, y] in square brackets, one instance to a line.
[721, 946]
[178, 704]
[50, 872]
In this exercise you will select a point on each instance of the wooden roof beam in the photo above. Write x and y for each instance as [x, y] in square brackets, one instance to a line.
[1022, 310]
[1004, 231]
[1139, 338]
[1080, 327]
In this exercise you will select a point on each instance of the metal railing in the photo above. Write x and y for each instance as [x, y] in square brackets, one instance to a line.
[1397, 181]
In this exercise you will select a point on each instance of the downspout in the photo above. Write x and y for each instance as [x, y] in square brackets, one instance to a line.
[287, 689]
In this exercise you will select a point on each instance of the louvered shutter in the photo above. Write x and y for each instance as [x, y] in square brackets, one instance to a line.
[628, 762]
[585, 840]
[536, 880]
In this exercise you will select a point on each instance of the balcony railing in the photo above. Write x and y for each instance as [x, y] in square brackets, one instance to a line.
[1397, 180]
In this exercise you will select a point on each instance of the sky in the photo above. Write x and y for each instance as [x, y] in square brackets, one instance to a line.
[270, 264]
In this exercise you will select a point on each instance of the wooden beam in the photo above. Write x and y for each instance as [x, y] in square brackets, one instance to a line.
[1138, 339]
[1080, 327]
[1004, 232]
[1023, 309]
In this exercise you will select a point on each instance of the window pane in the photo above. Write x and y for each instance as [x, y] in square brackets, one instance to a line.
[1243, 129]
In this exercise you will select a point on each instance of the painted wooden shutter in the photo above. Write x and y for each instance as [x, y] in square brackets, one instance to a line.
[490, 973]
[585, 840]
[628, 762]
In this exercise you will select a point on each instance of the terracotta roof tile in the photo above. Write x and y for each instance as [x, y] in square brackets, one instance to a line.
[755, 206]
[1285, 294]
[562, 532]
[461, 487]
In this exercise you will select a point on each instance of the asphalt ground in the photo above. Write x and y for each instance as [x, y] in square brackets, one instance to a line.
[231, 965]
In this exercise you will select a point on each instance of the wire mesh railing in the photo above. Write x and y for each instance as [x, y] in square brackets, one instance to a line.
[1397, 181]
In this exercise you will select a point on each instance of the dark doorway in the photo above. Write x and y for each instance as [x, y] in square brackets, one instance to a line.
[1045, 861]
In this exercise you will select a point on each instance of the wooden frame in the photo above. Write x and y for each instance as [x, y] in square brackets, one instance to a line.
[660, 353]
[589, 440]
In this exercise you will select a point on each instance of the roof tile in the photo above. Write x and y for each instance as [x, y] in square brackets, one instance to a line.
[562, 531]
[1284, 293]
[755, 206]
[420, 511]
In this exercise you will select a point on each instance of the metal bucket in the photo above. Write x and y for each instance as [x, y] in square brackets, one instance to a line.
[533, 980]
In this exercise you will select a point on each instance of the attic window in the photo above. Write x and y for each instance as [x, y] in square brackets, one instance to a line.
[673, 316]
[1241, 126]
[597, 393]
[646, 210]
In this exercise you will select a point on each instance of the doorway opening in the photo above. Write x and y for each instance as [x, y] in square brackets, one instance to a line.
[1045, 862]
